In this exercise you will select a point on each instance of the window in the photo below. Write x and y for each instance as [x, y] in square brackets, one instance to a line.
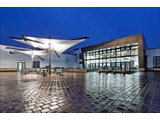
[36, 64]
[97, 53]
[118, 64]
[104, 51]
[80, 56]
[156, 61]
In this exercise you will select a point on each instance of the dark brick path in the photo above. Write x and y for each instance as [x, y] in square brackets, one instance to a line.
[80, 93]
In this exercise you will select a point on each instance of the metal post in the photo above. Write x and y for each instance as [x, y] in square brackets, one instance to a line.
[32, 61]
[32, 57]
[49, 58]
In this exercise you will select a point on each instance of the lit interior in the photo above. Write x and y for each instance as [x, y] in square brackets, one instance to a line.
[119, 56]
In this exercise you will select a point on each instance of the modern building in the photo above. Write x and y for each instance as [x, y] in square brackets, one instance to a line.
[153, 58]
[13, 62]
[124, 53]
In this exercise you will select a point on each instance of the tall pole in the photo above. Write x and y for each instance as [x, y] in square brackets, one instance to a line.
[32, 56]
[49, 58]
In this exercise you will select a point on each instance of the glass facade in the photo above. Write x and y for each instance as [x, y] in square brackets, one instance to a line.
[118, 57]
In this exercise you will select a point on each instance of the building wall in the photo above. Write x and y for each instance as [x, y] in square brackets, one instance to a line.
[150, 53]
[8, 60]
[122, 41]
[78, 53]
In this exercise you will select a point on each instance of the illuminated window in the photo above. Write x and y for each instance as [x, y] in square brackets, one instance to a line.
[114, 57]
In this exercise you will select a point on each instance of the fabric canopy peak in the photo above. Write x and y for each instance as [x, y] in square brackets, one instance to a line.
[57, 46]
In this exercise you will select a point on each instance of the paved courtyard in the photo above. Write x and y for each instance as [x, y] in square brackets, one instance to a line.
[80, 93]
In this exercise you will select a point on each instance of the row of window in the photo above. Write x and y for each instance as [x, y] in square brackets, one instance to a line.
[117, 65]
[121, 51]
[118, 59]
[110, 50]
[106, 62]
[113, 54]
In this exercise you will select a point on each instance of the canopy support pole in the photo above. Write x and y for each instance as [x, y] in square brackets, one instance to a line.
[49, 58]
[32, 56]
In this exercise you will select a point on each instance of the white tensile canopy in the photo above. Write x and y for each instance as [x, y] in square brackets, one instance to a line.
[57, 46]
[31, 52]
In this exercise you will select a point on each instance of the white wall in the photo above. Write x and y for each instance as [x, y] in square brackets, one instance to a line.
[8, 60]
[150, 53]
[77, 52]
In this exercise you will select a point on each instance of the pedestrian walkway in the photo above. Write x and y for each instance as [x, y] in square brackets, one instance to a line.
[80, 93]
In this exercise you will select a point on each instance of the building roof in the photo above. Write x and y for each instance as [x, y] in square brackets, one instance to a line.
[120, 41]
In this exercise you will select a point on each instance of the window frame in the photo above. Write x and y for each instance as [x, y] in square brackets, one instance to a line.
[156, 61]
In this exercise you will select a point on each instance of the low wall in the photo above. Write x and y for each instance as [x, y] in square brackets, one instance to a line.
[142, 69]
[8, 69]
[75, 70]
[153, 69]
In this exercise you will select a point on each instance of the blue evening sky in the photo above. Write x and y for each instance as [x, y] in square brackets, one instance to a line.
[100, 24]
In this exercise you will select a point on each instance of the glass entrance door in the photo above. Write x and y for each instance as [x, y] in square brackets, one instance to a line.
[128, 66]
[21, 65]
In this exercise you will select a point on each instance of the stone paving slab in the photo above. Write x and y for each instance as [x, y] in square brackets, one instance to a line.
[80, 93]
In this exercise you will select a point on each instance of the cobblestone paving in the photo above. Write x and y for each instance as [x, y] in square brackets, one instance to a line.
[80, 92]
